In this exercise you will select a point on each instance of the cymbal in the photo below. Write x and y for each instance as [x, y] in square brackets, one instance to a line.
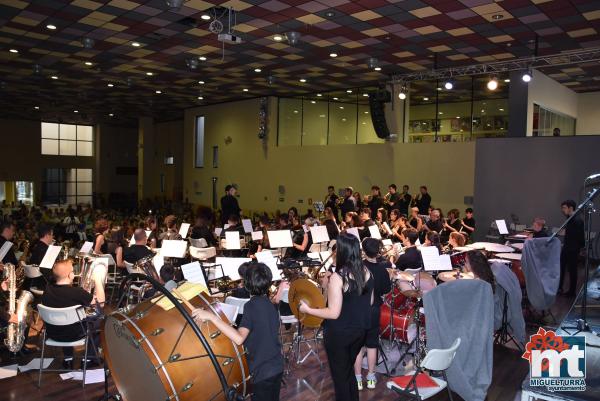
[308, 291]
[452, 275]
[400, 275]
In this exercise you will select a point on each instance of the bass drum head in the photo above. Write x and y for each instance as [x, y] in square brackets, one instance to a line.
[130, 361]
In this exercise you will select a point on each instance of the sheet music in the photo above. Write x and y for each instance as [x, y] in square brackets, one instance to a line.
[247, 224]
[192, 272]
[183, 230]
[444, 262]
[173, 248]
[325, 256]
[314, 255]
[8, 371]
[34, 364]
[502, 229]
[132, 240]
[230, 311]
[280, 238]
[86, 247]
[231, 265]
[50, 256]
[218, 231]
[319, 234]
[431, 258]
[353, 231]
[226, 226]
[374, 230]
[268, 259]
[158, 261]
[232, 240]
[387, 228]
[387, 242]
[4, 250]
[305, 228]
[418, 242]
[257, 235]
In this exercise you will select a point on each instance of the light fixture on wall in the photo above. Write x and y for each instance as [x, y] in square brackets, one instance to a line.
[492, 84]
[527, 75]
[449, 85]
[402, 94]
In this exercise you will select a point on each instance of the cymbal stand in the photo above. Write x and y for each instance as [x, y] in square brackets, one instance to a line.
[503, 336]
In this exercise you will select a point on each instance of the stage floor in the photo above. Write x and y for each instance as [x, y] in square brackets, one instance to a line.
[592, 392]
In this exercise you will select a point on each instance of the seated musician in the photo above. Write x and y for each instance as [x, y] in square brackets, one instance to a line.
[411, 258]
[171, 232]
[468, 223]
[477, 263]
[234, 225]
[135, 252]
[415, 221]
[202, 229]
[539, 228]
[433, 239]
[382, 285]
[434, 223]
[455, 240]
[241, 291]
[151, 226]
[451, 224]
[351, 219]
[301, 241]
[167, 276]
[283, 222]
[38, 251]
[7, 232]
[365, 223]
[61, 294]
[397, 223]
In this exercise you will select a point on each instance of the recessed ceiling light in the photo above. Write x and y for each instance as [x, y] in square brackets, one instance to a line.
[110, 85]
[136, 44]
[205, 17]
[277, 38]
[335, 98]
[200, 98]
[36, 107]
[330, 14]
[158, 92]
[313, 102]
[202, 58]
[295, 111]
[111, 115]
[458, 117]
[349, 91]
[507, 80]
[366, 112]
[201, 82]
[341, 107]
[13, 51]
[51, 27]
[497, 17]
[88, 63]
[245, 89]
[500, 109]
[439, 89]
[54, 77]
[333, 54]
[441, 112]
[377, 68]
[365, 94]
[75, 111]
[302, 80]
[425, 98]
[319, 95]
[257, 70]
[149, 73]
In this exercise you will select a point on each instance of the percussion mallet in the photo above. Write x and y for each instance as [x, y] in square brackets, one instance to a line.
[185, 301]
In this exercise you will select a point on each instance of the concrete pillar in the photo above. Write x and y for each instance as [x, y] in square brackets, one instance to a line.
[145, 156]
[396, 112]
[518, 93]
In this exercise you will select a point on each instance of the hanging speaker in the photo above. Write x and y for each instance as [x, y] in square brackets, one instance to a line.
[377, 102]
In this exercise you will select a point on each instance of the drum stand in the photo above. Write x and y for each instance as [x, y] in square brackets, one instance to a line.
[107, 396]
[394, 342]
[416, 342]
[300, 339]
[502, 336]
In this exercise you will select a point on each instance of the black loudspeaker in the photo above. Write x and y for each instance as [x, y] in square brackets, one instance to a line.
[377, 102]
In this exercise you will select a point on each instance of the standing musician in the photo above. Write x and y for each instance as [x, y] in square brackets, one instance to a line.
[405, 200]
[415, 220]
[422, 200]
[392, 198]
[451, 224]
[382, 285]
[7, 232]
[62, 294]
[411, 258]
[229, 204]
[468, 223]
[348, 315]
[100, 242]
[376, 201]
[349, 203]
[331, 201]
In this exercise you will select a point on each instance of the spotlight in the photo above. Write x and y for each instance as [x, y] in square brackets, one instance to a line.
[88, 43]
[174, 5]
[277, 38]
[293, 37]
[333, 55]
[205, 17]
[402, 95]
[492, 84]
[257, 70]
[136, 44]
[526, 77]
[51, 27]
[13, 51]
[449, 85]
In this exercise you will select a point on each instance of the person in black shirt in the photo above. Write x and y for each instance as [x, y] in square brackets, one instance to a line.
[376, 200]
[450, 225]
[468, 223]
[405, 201]
[348, 315]
[423, 200]
[38, 251]
[365, 222]
[382, 285]
[229, 204]
[572, 244]
[151, 226]
[62, 294]
[7, 232]
[100, 243]
[349, 203]
[202, 230]
[411, 258]
[259, 332]
[135, 252]
[539, 228]
[393, 198]
[331, 201]
[434, 223]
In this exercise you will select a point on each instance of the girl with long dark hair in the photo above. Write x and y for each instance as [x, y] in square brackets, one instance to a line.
[348, 315]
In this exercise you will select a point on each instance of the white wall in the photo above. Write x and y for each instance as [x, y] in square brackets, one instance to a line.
[588, 118]
[550, 94]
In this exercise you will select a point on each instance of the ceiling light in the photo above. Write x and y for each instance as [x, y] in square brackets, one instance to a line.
[349, 91]
[200, 98]
[257, 70]
[366, 112]
[192, 63]
[492, 84]
[449, 85]
[365, 94]
[329, 14]
[245, 89]
[54, 77]
[110, 85]
[333, 55]
[158, 92]
[313, 102]
[438, 88]
[88, 63]
[13, 51]
[497, 17]
[319, 95]
[341, 107]
[377, 68]
[425, 98]
[149, 73]
[441, 112]
[372, 62]
[526, 77]
[205, 17]
[335, 98]
[277, 38]
[402, 95]
[202, 58]
[500, 109]
[458, 117]
[174, 5]
[88, 43]
[51, 27]
[75, 111]
[136, 44]
[292, 37]
[201, 82]
[111, 115]
[302, 80]
[507, 80]
[36, 107]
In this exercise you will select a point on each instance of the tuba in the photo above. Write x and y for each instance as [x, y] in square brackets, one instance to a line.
[15, 335]
[90, 267]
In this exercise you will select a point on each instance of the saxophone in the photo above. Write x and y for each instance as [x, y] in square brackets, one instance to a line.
[15, 335]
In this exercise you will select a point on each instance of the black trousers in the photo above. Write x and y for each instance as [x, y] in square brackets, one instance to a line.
[268, 389]
[568, 262]
[342, 347]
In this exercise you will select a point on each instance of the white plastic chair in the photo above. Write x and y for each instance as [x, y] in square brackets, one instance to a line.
[203, 253]
[63, 317]
[198, 243]
[239, 302]
[438, 360]
[33, 272]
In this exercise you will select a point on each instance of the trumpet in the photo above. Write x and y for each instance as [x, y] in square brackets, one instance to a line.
[386, 198]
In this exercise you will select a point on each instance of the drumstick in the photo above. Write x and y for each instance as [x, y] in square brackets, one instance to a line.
[185, 301]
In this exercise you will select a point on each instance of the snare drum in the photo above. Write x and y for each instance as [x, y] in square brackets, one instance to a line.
[403, 324]
[154, 355]
[395, 298]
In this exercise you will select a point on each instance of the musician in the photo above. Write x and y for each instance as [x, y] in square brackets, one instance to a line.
[411, 258]
[348, 315]
[397, 224]
[422, 200]
[229, 204]
[241, 291]
[100, 243]
[376, 201]
[201, 229]
[71, 224]
[468, 223]
[351, 219]
[61, 294]
[331, 201]
[135, 252]
[7, 232]
[359, 201]
[332, 229]
[365, 222]
[573, 242]
[434, 223]
[349, 202]
[405, 200]
[415, 220]
[38, 251]
[234, 225]
[293, 213]
[259, 332]
[382, 285]
[433, 239]
[455, 240]
[539, 228]
[151, 226]
[167, 276]
[284, 223]
[477, 263]
[393, 198]
[171, 232]
[450, 225]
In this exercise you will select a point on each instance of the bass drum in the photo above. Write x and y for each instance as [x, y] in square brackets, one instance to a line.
[154, 355]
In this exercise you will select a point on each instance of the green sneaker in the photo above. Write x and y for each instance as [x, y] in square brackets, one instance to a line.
[371, 383]
[359, 383]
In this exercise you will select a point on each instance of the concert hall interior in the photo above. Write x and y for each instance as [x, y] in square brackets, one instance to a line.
[299, 200]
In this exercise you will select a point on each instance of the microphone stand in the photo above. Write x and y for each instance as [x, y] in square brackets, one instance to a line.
[582, 324]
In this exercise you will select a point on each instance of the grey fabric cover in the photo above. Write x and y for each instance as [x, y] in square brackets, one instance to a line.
[465, 309]
[541, 266]
[507, 282]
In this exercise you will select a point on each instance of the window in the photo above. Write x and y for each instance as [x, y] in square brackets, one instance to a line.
[67, 186]
[545, 121]
[67, 139]
[199, 142]
[24, 192]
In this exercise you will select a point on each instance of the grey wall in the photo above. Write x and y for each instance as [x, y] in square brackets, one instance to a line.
[530, 177]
